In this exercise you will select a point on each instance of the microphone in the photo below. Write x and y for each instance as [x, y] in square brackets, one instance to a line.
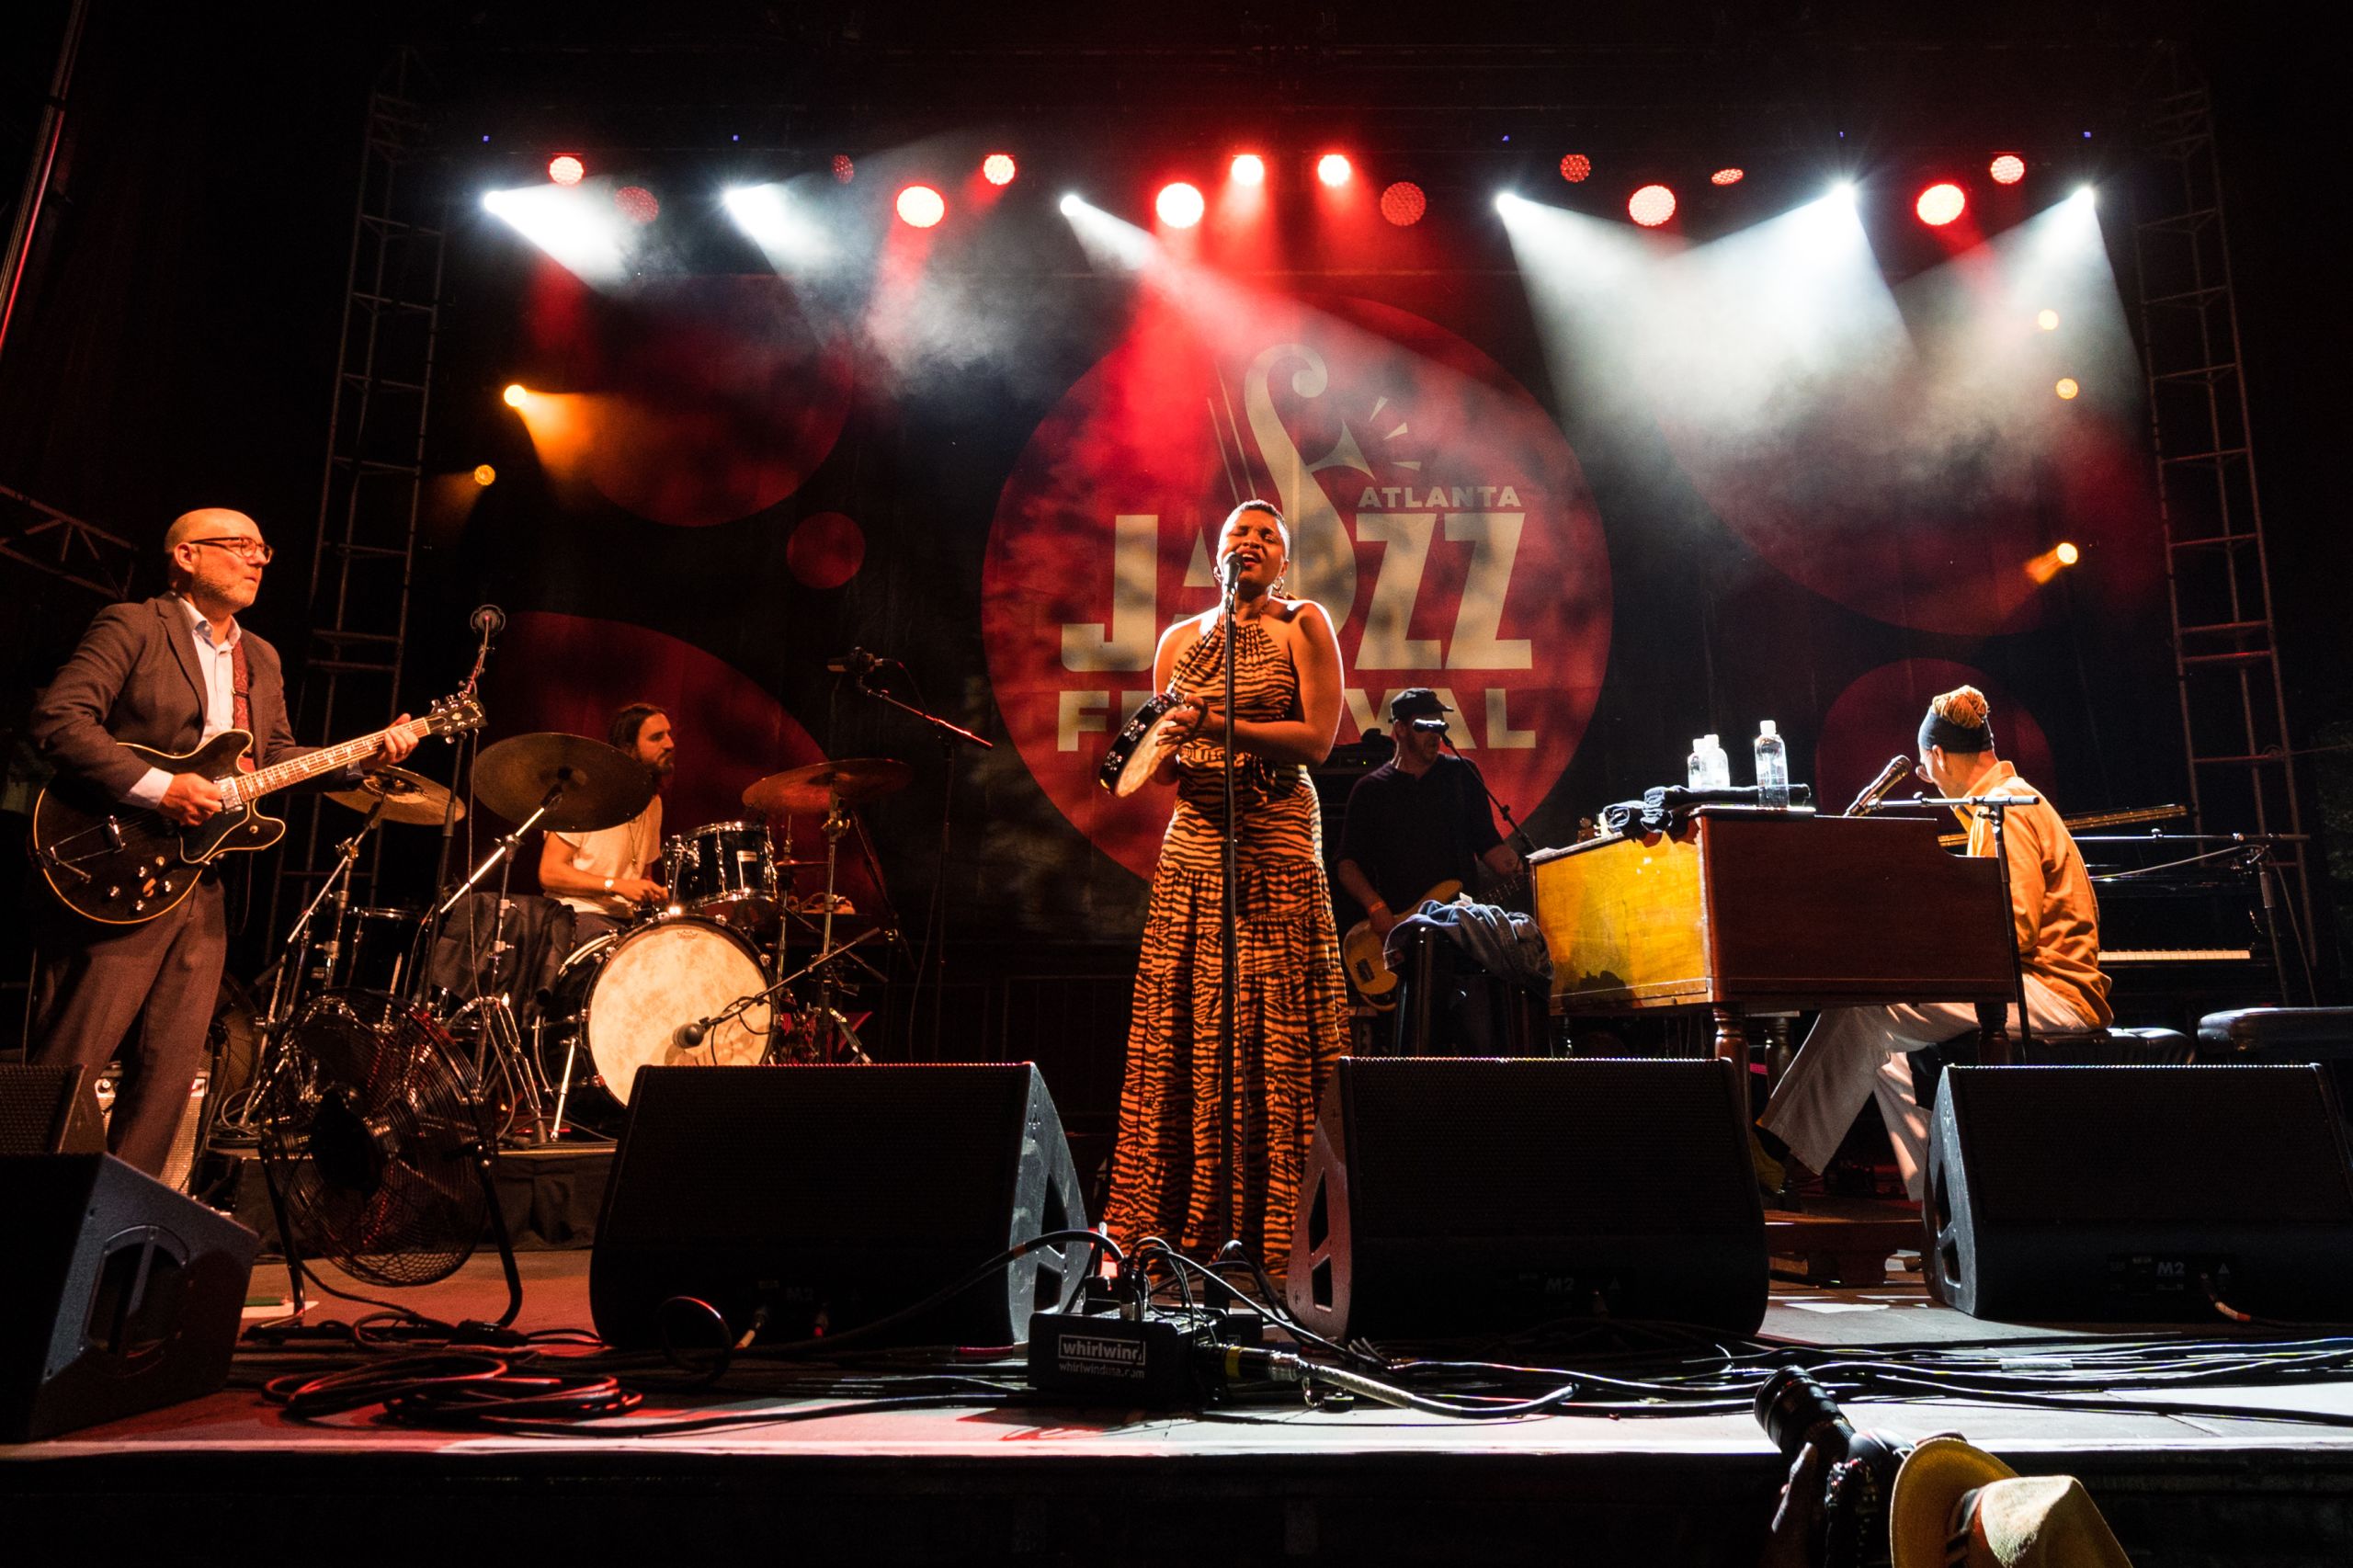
[1435, 726]
[1232, 572]
[490, 620]
[690, 1035]
[1895, 772]
[856, 661]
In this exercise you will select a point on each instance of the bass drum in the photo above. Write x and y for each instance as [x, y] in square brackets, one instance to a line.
[619, 1004]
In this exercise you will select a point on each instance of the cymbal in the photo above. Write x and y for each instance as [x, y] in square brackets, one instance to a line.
[406, 797]
[852, 780]
[602, 787]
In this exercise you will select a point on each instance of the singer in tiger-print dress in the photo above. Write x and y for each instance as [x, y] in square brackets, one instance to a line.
[1291, 1021]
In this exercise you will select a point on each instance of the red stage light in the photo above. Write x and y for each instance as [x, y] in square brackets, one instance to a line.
[565, 169]
[1940, 204]
[2008, 169]
[1650, 206]
[1727, 177]
[637, 204]
[921, 207]
[1179, 205]
[1332, 169]
[844, 170]
[1247, 168]
[998, 168]
[1577, 168]
[1403, 204]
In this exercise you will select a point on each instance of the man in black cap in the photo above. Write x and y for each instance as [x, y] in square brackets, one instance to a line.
[1418, 821]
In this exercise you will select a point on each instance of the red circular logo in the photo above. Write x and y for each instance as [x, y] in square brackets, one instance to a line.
[1435, 510]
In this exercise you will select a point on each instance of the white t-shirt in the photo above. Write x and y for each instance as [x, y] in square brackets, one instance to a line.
[623, 851]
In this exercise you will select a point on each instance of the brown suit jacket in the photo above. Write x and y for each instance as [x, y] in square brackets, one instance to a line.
[134, 678]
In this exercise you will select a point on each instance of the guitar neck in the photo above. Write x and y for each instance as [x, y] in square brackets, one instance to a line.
[240, 788]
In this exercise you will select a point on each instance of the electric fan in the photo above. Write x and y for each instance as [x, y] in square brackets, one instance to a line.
[376, 1146]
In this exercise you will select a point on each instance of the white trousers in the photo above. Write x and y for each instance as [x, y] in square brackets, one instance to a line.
[1853, 1053]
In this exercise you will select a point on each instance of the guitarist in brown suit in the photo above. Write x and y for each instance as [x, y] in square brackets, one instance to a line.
[168, 672]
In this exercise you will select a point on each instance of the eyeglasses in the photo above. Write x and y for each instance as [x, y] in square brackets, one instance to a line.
[249, 550]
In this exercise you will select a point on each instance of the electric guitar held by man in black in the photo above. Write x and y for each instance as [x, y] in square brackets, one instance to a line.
[122, 865]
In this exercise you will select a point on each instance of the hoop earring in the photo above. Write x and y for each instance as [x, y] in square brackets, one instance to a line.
[1276, 591]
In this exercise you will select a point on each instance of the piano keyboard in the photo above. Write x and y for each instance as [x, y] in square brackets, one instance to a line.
[2125, 957]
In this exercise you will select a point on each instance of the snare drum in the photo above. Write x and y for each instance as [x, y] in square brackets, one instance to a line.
[726, 872]
[373, 953]
[620, 1003]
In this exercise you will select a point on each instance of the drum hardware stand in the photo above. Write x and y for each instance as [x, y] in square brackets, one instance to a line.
[694, 1034]
[935, 935]
[269, 1057]
[505, 1043]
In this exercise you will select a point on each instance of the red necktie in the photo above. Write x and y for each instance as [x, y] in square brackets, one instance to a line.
[241, 707]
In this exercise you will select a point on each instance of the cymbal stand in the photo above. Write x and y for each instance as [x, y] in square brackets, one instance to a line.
[827, 1020]
[285, 997]
[499, 1035]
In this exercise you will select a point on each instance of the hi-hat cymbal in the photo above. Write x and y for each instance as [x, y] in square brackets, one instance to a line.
[406, 797]
[601, 786]
[853, 780]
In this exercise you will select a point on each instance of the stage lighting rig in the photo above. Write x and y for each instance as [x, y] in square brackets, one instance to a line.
[920, 207]
[1650, 206]
[1403, 203]
[1179, 205]
[2068, 389]
[998, 168]
[2006, 170]
[1247, 168]
[845, 170]
[516, 395]
[1940, 204]
[565, 168]
[1577, 168]
[1728, 176]
[1335, 170]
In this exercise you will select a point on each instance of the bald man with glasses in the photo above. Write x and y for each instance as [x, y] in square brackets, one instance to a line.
[168, 672]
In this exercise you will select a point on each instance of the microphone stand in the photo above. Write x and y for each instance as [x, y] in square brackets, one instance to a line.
[1999, 806]
[1230, 980]
[1519, 835]
[935, 933]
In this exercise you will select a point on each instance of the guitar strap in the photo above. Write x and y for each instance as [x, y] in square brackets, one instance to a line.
[241, 707]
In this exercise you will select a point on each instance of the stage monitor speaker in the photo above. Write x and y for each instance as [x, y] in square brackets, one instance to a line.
[827, 1197]
[2139, 1194]
[122, 1295]
[1447, 1197]
[49, 1110]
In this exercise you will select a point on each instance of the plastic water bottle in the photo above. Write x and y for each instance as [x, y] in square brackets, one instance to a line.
[1695, 768]
[1772, 766]
[1719, 762]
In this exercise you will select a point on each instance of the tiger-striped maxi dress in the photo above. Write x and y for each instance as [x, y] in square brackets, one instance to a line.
[1291, 1020]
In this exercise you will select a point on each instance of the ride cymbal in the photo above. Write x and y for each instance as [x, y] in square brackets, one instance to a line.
[601, 786]
[853, 781]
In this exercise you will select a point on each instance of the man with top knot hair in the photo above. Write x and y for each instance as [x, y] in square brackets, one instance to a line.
[1855, 1052]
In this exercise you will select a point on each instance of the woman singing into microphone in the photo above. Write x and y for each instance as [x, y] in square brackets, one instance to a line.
[1290, 1022]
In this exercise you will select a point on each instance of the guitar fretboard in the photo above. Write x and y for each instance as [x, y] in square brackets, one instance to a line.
[240, 788]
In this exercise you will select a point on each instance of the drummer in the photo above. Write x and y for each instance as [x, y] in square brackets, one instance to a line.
[602, 875]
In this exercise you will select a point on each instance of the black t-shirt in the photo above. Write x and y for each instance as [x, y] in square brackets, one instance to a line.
[1408, 835]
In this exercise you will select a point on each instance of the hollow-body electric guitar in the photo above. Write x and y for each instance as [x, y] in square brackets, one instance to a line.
[122, 865]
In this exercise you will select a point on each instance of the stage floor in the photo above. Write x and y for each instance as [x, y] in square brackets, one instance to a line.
[1271, 1481]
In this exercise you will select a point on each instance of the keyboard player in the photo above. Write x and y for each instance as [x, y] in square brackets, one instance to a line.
[1853, 1053]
